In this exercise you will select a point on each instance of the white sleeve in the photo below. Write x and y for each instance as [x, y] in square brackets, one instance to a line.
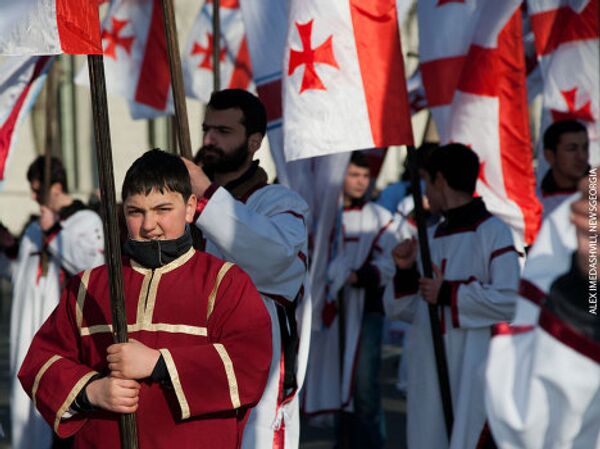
[541, 392]
[81, 243]
[476, 304]
[270, 245]
[382, 254]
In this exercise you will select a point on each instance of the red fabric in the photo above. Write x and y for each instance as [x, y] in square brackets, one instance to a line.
[270, 95]
[78, 24]
[529, 291]
[559, 26]
[239, 322]
[507, 329]
[440, 77]
[377, 38]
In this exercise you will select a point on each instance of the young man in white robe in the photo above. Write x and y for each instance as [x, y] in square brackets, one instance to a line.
[476, 268]
[262, 229]
[566, 149]
[66, 239]
[543, 371]
[359, 273]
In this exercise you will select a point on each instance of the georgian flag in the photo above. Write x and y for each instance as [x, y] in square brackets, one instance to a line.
[136, 64]
[474, 78]
[566, 42]
[344, 85]
[197, 58]
[43, 27]
[21, 79]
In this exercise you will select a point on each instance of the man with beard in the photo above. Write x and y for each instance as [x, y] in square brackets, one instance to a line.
[261, 228]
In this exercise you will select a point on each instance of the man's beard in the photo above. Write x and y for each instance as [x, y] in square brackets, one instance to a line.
[215, 160]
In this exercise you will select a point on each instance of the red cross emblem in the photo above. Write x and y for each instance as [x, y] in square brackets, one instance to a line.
[584, 113]
[323, 54]
[207, 51]
[115, 39]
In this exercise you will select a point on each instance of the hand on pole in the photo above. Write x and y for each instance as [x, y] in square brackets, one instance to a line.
[131, 360]
[47, 218]
[405, 253]
[430, 288]
[114, 394]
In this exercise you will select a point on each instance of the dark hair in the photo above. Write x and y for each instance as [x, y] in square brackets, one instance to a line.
[35, 172]
[458, 163]
[359, 159]
[557, 129]
[254, 114]
[157, 169]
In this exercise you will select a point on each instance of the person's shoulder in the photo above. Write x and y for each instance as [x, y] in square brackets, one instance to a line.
[216, 267]
[83, 217]
[278, 197]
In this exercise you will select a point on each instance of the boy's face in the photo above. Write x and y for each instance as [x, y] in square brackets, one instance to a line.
[158, 216]
[356, 181]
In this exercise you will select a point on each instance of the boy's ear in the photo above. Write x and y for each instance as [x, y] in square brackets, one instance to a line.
[190, 208]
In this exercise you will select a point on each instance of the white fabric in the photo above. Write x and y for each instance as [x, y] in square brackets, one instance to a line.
[368, 236]
[480, 304]
[78, 246]
[197, 63]
[265, 239]
[542, 394]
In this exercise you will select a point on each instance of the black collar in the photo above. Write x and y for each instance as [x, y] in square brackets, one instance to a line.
[71, 209]
[463, 219]
[248, 174]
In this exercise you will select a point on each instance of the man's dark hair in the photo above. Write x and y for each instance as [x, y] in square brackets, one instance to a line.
[35, 172]
[157, 169]
[458, 163]
[359, 159]
[557, 129]
[253, 111]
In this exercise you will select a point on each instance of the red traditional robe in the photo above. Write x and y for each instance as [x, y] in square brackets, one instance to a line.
[208, 321]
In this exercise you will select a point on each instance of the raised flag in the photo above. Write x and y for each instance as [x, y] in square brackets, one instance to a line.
[566, 42]
[234, 58]
[135, 57]
[474, 78]
[344, 85]
[21, 79]
[44, 27]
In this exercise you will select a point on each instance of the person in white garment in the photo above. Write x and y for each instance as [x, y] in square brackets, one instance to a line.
[566, 149]
[543, 372]
[476, 275]
[358, 274]
[262, 229]
[66, 239]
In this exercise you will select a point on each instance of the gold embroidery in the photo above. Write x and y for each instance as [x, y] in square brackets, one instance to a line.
[81, 293]
[40, 374]
[142, 296]
[71, 397]
[230, 372]
[213, 294]
[174, 375]
[177, 262]
[150, 300]
[152, 327]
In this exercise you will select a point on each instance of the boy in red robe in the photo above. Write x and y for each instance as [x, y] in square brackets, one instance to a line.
[200, 336]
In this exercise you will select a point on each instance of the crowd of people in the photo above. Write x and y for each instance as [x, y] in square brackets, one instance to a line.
[224, 346]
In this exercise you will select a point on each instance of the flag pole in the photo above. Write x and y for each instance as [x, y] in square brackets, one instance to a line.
[438, 343]
[108, 210]
[216, 60]
[181, 118]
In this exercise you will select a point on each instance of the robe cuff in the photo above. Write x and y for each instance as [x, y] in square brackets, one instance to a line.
[406, 281]
[160, 373]
[444, 297]
[208, 193]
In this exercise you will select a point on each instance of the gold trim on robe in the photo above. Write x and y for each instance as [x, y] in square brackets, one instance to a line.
[174, 375]
[71, 397]
[152, 327]
[40, 374]
[81, 294]
[213, 294]
[230, 372]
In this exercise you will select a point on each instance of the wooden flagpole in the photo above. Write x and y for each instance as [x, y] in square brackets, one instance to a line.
[438, 343]
[216, 60]
[108, 210]
[181, 118]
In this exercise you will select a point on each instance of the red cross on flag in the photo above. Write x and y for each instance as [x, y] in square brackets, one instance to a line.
[44, 27]
[344, 85]
[566, 44]
[474, 78]
[135, 57]
[21, 79]
[235, 67]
